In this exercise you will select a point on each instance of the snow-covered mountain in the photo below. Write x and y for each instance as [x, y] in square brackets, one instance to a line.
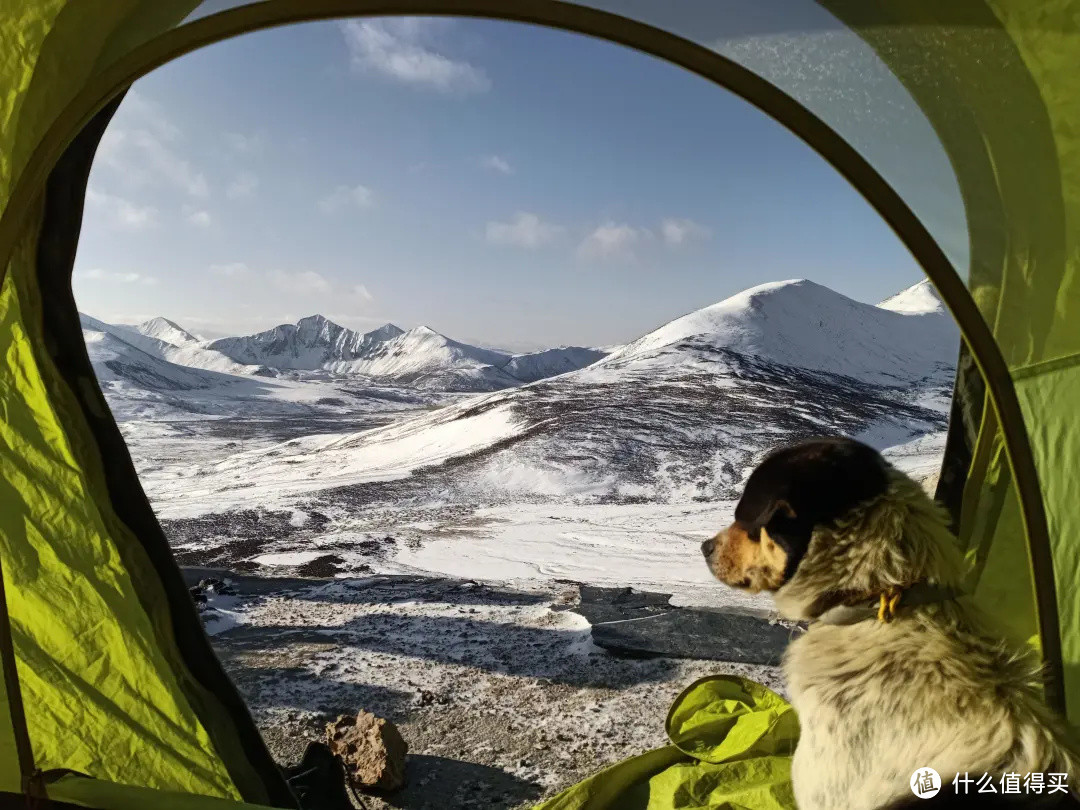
[540, 365]
[419, 357]
[164, 329]
[124, 357]
[311, 343]
[167, 341]
[803, 324]
[680, 414]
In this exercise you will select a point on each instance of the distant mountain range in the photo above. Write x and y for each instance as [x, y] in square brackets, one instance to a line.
[419, 358]
[680, 413]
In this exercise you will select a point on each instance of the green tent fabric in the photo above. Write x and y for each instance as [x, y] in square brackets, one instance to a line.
[956, 121]
[731, 746]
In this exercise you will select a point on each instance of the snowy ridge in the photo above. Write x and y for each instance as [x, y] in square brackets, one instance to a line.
[540, 365]
[149, 337]
[311, 343]
[805, 325]
[164, 329]
[420, 357]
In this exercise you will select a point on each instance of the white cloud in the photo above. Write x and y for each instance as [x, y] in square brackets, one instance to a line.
[233, 269]
[498, 164]
[197, 216]
[405, 49]
[244, 144]
[524, 230]
[304, 282]
[168, 165]
[141, 146]
[342, 196]
[612, 241]
[149, 114]
[97, 274]
[121, 212]
[679, 231]
[141, 157]
[307, 282]
[243, 185]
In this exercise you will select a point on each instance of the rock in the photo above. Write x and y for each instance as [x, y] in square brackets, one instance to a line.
[371, 749]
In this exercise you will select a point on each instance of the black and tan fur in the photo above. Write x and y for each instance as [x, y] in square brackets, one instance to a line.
[828, 523]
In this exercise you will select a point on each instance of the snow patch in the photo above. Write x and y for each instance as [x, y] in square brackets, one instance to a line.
[287, 558]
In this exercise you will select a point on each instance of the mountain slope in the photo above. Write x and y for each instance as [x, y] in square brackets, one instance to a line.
[541, 365]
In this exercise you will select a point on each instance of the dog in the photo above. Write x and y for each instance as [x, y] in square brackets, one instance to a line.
[897, 671]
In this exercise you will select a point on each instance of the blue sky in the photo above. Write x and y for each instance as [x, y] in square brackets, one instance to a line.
[504, 184]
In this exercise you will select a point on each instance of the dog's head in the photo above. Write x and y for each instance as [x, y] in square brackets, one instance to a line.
[795, 490]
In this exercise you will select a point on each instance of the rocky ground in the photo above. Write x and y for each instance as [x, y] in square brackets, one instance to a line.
[499, 692]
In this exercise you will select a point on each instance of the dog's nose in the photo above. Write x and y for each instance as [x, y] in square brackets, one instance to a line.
[708, 546]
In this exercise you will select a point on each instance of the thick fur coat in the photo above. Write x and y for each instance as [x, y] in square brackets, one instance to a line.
[934, 687]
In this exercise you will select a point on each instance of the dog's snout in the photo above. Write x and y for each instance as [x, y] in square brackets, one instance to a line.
[708, 547]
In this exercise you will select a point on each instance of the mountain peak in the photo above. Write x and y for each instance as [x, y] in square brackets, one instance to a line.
[424, 330]
[164, 329]
[917, 299]
[314, 320]
[386, 331]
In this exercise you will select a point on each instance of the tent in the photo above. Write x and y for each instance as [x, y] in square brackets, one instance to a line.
[956, 121]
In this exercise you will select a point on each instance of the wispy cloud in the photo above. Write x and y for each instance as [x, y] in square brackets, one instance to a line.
[409, 50]
[232, 269]
[497, 164]
[149, 114]
[98, 274]
[244, 144]
[243, 185]
[524, 230]
[120, 212]
[346, 196]
[198, 217]
[303, 283]
[319, 291]
[612, 241]
[142, 158]
[141, 146]
[680, 231]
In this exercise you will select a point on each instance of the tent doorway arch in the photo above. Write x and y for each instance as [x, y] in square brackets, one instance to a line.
[39, 228]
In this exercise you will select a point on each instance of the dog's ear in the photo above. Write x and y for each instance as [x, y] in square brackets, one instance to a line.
[781, 506]
[787, 530]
